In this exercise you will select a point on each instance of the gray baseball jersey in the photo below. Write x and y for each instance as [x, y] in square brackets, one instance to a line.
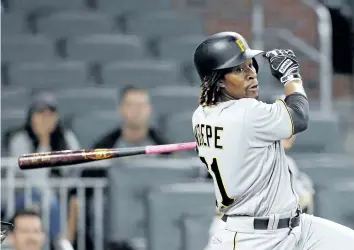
[239, 142]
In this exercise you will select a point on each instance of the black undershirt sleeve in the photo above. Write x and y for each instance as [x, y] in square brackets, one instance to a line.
[298, 107]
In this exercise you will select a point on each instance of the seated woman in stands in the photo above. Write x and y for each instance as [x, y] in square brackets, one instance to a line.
[43, 132]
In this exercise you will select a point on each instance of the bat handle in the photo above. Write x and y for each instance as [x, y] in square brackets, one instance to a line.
[158, 149]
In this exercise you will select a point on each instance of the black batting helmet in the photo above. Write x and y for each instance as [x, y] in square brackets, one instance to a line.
[222, 51]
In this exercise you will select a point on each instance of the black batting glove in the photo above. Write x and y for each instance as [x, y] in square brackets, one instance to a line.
[283, 65]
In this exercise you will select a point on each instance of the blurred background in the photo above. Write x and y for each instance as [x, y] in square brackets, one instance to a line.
[119, 73]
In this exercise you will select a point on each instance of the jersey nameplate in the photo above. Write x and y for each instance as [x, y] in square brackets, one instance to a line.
[208, 136]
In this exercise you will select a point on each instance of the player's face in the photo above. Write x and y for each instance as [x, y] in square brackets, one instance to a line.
[27, 234]
[242, 81]
[135, 108]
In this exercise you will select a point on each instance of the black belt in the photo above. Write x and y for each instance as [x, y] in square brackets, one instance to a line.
[262, 224]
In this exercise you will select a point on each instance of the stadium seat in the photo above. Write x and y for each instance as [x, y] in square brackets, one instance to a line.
[12, 118]
[325, 170]
[195, 229]
[13, 23]
[92, 126]
[174, 99]
[48, 4]
[17, 99]
[189, 73]
[27, 48]
[105, 48]
[166, 206]
[129, 183]
[86, 100]
[74, 23]
[165, 24]
[322, 136]
[44, 74]
[336, 203]
[180, 48]
[122, 6]
[140, 73]
[179, 127]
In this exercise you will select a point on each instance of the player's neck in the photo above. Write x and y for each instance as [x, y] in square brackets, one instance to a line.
[225, 96]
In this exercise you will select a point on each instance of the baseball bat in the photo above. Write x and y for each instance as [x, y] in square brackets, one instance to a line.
[72, 157]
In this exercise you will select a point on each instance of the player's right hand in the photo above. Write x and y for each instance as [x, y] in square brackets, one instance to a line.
[283, 65]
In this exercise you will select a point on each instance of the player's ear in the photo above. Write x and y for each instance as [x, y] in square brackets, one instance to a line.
[221, 83]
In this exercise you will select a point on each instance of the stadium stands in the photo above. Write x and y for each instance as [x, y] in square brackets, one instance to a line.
[53, 75]
[71, 24]
[181, 198]
[105, 48]
[27, 48]
[86, 50]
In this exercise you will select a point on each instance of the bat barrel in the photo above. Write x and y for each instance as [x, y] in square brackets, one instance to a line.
[67, 157]
[72, 157]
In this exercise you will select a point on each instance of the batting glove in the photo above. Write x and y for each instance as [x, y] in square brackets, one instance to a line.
[283, 65]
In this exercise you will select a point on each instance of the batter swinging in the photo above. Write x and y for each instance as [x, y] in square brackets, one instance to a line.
[239, 141]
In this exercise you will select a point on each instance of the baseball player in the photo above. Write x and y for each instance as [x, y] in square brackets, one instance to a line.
[303, 186]
[239, 141]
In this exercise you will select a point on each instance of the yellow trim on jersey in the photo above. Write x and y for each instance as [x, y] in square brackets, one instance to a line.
[291, 119]
[305, 200]
[235, 241]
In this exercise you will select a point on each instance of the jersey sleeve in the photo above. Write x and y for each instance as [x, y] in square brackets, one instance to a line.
[267, 123]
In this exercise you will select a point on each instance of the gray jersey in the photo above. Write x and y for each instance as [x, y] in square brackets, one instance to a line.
[239, 142]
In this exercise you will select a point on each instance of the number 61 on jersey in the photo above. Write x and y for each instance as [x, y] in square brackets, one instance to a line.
[215, 173]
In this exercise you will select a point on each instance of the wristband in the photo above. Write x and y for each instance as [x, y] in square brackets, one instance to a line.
[287, 78]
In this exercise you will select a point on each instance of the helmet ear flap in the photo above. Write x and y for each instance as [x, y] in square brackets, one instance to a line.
[255, 64]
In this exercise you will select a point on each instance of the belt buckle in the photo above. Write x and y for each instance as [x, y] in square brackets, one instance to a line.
[298, 212]
[290, 222]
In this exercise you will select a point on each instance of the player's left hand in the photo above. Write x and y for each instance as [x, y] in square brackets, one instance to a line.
[283, 65]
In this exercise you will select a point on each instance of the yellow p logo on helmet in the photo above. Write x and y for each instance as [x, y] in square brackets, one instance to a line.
[241, 45]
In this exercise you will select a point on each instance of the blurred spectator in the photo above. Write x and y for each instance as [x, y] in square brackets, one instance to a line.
[134, 131]
[43, 132]
[27, 233]
[135, 111]
[119, 246]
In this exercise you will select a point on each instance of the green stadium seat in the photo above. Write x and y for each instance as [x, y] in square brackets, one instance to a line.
[166, 206]
[105, 48]
[13, 23]
[27, 48]
[323, 135]
[179, 127]
[129, 181]
[90, 127]
[165, 24]
[337, 202]
[48, 74]
[34, 5]
[195, 229]
[172, 100]
[140, 73]
[123, 6]
[68, 24]
[14, 99]
[180, 48]
[86, 100]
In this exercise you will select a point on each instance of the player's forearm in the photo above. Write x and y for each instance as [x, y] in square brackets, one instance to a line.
[298, 107]
[294, 86]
